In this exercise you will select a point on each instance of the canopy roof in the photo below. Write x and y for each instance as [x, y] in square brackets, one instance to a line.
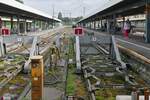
[16, 8]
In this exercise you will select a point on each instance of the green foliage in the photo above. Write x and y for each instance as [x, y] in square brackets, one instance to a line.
[77, 19]
[71, 49]
[71, 69]
[71, 82]
[100, 98]
[60, 16]
[70, 21]
[66, 20]
[103, 98]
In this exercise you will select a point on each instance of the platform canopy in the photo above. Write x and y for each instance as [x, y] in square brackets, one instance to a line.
[117, 7]
[12, 7]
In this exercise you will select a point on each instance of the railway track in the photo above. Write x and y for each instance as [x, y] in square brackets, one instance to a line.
[11, 66]
[12, 75]
[107, 75]
[104, 75]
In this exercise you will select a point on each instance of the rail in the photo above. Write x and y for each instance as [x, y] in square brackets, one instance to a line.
[33, 52]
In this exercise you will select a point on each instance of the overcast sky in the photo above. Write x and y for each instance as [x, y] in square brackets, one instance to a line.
[67, 7]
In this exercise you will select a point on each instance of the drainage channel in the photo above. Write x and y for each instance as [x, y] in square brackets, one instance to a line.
[75, 85]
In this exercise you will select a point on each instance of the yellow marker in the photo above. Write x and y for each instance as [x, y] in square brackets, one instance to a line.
[37, 73]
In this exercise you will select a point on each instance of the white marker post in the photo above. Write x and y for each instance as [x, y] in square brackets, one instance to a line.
[78, 62]
[78, 32]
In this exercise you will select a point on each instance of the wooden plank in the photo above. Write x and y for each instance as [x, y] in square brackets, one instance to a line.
[135, 54]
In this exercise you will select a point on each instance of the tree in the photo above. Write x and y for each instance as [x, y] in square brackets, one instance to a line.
[21, 1]
[77, 19]
[60, 16]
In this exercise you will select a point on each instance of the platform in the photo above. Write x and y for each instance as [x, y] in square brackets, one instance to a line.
[133, 44]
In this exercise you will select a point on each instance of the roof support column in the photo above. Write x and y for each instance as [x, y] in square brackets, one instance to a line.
[53, 24]
[86, 25]
[45, 24]
[39, 22]
[80, 24]
[48, 24]
[25, 26]
[101, 23]
[11, 20]
[83, 24]
[40, 25]
[108, 26]
[147, 21]
[29, 24]
[90, 25]
[114, 24]
[98, 22]
[94, 25]
[18, 25]
[34, 25]
[123, 18]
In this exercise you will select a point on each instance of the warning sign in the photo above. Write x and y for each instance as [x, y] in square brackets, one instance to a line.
[79, 31]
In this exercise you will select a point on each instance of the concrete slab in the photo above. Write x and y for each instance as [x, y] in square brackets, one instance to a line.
[49, 94]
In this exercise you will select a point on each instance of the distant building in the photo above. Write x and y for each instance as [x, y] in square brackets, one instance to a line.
[133, 18]
[136, 20]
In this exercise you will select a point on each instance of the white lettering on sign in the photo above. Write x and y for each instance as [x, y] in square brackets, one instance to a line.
[78, 31]
[94, 39]
[36, 78]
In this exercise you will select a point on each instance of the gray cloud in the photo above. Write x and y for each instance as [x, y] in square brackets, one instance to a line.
[66, 6]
